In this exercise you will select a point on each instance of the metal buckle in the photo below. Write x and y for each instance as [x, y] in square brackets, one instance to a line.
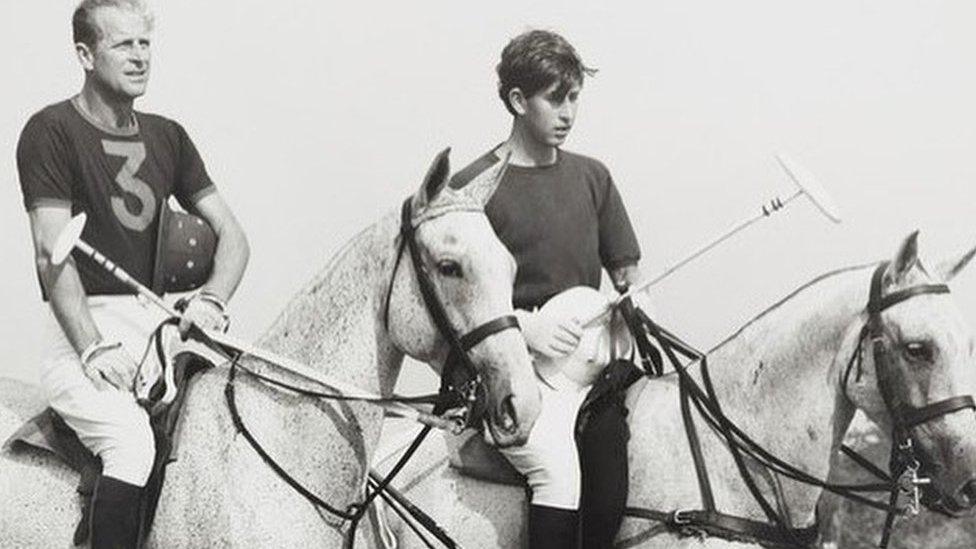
[909, 484]
[678, 518]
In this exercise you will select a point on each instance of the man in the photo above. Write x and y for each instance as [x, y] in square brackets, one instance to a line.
[562, 218]
[94, 153]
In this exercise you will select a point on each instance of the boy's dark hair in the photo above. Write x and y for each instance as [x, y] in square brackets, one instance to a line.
[534, 60]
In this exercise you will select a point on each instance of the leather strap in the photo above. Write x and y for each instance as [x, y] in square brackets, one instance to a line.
[489, 328]
[714, 523]
[911, 416]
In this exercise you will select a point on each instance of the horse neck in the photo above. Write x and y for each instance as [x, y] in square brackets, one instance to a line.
[335, 322]
[778, 378]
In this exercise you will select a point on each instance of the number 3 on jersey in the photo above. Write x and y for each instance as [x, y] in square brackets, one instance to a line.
[134, 153]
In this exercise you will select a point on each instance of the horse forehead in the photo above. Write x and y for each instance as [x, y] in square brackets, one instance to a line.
[462, 228]
[930, 316]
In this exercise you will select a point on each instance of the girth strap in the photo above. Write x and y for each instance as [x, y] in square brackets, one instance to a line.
[715, 523]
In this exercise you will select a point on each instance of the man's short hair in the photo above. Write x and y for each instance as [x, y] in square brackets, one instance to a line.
[84, 29]
[534, 60]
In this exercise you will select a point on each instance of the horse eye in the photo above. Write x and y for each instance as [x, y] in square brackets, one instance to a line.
[448, 268]
[919, 351]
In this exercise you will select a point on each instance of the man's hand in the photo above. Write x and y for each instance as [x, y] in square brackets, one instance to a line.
[549, 334]
[110, 366]
[205, 312]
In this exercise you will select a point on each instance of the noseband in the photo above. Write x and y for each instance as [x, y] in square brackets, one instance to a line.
[457, 387]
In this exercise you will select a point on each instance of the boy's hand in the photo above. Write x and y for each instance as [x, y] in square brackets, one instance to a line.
[549, 334]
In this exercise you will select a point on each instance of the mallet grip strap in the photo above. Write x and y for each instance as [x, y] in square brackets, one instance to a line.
[95, 348]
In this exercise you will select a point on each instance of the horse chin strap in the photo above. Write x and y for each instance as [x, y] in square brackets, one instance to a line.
[903, 463]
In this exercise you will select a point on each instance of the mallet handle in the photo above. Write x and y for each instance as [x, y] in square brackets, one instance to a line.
[124, 277]
[285, 363]
[774, 205]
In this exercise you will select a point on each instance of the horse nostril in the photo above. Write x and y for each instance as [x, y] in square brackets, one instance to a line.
[507, 418]
[968, 493]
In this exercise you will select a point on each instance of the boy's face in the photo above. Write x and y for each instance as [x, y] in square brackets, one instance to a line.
[549, 114]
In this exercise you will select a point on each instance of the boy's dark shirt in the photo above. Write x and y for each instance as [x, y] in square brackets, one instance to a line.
[562, 222]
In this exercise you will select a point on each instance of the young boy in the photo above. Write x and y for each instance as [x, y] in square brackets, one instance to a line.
[561, 217]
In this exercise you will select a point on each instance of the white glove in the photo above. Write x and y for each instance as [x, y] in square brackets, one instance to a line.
[550, 334]
[205, 311]
[109, 365]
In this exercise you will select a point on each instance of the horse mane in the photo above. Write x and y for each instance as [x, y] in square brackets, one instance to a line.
[785, 299]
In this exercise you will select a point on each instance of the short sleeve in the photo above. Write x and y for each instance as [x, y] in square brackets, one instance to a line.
[618, 243]
[43, 164]
[192, 181]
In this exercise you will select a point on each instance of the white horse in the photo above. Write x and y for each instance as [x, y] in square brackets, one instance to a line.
[218, 491]
[781, 378]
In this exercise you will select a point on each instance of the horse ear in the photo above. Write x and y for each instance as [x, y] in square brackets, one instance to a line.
[486, 183]
[434, 182]
[948, 269]
[905, 259]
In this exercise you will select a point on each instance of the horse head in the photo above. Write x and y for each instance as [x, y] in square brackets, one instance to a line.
[472, 274]
[917, 374]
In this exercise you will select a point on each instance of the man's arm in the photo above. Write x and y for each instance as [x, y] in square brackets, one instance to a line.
[230, 260]
[106, 363]
[61, 282]
[233, 250]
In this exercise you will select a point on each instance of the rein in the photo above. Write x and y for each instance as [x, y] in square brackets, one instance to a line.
[778, 531]
[458, 388]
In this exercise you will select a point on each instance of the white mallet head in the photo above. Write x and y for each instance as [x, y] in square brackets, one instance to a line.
[809, 185]
[67, 239]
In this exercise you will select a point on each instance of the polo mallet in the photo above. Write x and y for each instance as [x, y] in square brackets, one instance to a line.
[806, 184]
[70, 238]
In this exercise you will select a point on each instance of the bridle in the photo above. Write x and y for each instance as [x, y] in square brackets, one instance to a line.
[778, 532]
[461, 383]
[903, 463]
[904, 416]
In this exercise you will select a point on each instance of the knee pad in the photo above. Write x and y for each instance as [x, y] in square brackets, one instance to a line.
[131, 455]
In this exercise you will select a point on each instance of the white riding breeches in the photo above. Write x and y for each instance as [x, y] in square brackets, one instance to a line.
[109, 422]
[549, 460]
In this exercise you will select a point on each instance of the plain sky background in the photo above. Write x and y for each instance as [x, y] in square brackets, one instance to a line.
[315, 118]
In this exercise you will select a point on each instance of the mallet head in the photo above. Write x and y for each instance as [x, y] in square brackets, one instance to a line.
[809, 185]
[68, 238]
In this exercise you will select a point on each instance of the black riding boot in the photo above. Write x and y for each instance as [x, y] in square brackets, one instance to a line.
[552, 528]
[115, 514]
[603, 458]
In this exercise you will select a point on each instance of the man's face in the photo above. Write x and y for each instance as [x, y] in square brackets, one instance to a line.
[549, 114]
[119, 62]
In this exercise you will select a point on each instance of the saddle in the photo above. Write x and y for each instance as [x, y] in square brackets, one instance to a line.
[48, 432]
